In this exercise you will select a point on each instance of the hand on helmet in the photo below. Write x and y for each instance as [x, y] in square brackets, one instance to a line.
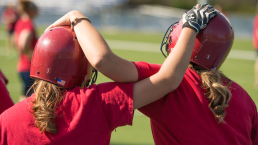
[66, 19]
[198, 17]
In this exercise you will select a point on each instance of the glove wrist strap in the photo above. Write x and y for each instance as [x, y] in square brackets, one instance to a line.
[189, 26]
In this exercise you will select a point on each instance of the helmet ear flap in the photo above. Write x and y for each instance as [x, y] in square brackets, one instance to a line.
[167, 49]
[91, 77]
[170, 39]
[167, 39]
[88, 77]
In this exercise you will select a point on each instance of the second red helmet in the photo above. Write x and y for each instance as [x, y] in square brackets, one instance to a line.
[212, 44]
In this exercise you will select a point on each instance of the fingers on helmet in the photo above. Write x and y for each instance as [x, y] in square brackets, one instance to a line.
[184, 18]
[213, 14]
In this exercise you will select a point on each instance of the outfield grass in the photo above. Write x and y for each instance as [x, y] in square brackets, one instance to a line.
[241, 71]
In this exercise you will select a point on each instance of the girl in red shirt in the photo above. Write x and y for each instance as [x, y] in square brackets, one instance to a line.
[9, 18]
[60, 112]
[207, 107]
[25, 40]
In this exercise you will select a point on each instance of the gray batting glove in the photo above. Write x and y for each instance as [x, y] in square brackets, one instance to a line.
[198, 17]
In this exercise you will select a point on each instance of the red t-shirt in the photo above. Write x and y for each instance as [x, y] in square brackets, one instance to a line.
[5, 99]
[255, 29]
[183, 116]
[24, 61]
[85, 116]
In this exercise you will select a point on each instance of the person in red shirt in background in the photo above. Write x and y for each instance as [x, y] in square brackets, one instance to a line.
[9, 18]
[255, 44]
[60, 112]
[6, 101]
[25, 40]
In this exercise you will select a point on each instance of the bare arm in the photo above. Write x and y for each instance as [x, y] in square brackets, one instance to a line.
[97, 50]
[170, 74]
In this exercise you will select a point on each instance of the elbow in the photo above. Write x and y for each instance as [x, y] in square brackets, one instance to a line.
[100, 62]
[97, 62]
[172, 84]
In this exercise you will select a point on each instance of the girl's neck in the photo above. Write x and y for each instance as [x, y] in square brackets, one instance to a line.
[25, 16]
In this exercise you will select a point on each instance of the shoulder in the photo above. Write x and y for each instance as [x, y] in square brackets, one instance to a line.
[113, 86]
[18, 111]
[24, 24]
[142, 64]
[241, 96]
[85, 92]
[192, 77]
[237, 89]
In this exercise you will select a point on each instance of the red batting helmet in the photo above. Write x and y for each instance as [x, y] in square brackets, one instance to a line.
[59, 59]
[212, 44]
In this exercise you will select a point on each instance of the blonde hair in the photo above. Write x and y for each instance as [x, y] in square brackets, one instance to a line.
[216, 89]
[47, 97]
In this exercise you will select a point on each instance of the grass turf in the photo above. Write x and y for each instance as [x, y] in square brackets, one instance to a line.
[241, 71]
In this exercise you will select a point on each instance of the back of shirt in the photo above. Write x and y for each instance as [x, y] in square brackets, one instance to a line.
[85, 116]
[183, 116]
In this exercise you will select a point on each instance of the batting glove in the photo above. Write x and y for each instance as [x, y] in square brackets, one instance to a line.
[198, 17]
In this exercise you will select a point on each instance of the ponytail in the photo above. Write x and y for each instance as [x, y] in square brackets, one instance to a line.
[216, 89]
[47, 96]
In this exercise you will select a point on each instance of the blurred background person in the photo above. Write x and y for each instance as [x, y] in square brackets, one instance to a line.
[25, 40]
[5, 99]
[9, 19]
[255, 43]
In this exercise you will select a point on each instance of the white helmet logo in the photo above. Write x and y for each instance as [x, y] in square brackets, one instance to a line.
[208, 56]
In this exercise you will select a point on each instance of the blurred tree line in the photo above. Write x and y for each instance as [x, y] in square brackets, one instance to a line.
[241, 6]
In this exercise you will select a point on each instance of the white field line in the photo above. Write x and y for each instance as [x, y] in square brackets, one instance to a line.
[150, 47]
[154, 47]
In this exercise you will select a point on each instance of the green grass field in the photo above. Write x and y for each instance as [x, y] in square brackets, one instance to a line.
[241, 71]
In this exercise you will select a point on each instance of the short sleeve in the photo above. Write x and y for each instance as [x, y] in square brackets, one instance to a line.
[116, 100]
[146, 70]
[5, 99]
